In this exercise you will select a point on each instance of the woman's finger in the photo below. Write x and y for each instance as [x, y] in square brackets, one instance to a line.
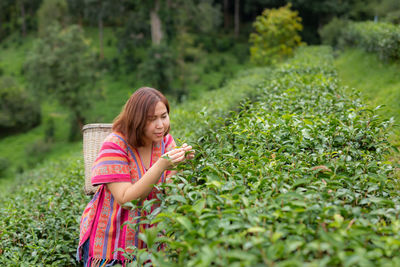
[174, 151]
[179, 159]
[177, 155]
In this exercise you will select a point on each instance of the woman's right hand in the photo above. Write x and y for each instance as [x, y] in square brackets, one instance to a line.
[175, 156]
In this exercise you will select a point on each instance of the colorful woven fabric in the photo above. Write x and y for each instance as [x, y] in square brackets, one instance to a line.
[103, 217]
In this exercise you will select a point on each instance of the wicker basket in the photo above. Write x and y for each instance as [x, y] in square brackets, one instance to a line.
[93, 137]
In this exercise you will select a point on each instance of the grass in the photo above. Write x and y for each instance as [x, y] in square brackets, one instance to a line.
[378, 82]
[13, 52]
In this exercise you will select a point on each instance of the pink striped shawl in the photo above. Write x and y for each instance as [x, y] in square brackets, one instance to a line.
[103, 217]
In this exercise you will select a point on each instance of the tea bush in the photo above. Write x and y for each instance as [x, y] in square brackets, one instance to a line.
[192, 118]
[298, 177]
[332, 32]
[40, 222]
[382, 38]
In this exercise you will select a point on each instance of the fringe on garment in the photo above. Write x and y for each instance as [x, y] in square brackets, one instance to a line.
[93, 262]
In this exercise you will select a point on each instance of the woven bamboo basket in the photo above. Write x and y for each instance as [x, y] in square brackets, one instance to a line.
[93, 137]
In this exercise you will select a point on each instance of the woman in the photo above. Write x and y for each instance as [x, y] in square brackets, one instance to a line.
[132, 159]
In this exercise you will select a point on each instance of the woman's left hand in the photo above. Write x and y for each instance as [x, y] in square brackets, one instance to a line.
[189, 152]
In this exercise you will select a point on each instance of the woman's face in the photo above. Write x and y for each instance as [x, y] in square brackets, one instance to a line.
[157, 124]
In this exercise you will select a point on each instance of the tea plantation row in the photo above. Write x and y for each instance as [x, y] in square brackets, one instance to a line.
[39, 223]
[298, 177]
[381, 38]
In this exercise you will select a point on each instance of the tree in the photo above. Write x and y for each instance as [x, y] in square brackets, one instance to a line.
[99, 10]
[76, 12]
[226, 14]
[183, 17]
[276, 35]
[50, 13]
[18, 14]
[18, 112]
[186, 14]
[62, 66]
[156, 25]
[8, 18]
[237, 18]
[23, 19]
[158, 67]
[153, 9]
[386, 10]
[134, 35]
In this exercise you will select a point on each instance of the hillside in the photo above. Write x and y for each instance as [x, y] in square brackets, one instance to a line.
[295, 174]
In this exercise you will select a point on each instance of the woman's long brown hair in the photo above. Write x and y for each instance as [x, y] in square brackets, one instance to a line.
[133, 117]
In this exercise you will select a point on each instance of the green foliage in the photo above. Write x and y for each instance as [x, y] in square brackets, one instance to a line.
[63, 66]
[4, 164]
[178, 19]
[18, 112]
[298, 177]
[36, 152]
[134, 35]
[49, 131]
[39, 225]
[158, 68]
[12, 20]
[387, 10]
[332, 32]
[206, 111]
[51, 12]
[276, 35]
[381, 38]
[185, 14]
[378, 82]
[187, 56]
[105, 10]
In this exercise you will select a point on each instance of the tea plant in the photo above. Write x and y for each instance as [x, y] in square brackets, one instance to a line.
[299, 177]
[190, 119]
[40, 224]
[381, 38]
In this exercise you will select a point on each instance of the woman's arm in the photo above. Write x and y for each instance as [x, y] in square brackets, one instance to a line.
[124, 192]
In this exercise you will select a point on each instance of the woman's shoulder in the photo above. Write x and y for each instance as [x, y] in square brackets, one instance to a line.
[115, 140]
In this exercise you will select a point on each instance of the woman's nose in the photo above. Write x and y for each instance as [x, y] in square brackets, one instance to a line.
[159, 123]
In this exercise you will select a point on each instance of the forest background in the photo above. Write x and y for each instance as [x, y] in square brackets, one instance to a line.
[64, 63]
